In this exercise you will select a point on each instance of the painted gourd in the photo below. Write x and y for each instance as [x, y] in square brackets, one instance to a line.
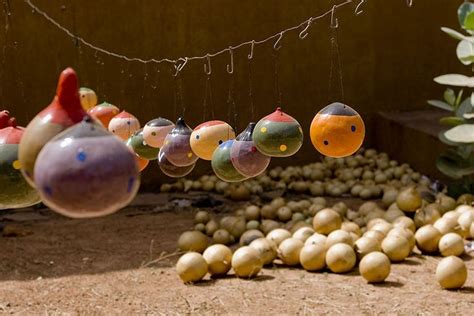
[124, 125]
[222, 164]
[245, 156]
[337, 131]
[156, 130]
[63, 112]
[88, 98]
[208, 136]
[104, 112]
[15, 192]
[278, 135]
[141, 163]
[176, 147]
[86, 172]
[171, 170]
[137, 143]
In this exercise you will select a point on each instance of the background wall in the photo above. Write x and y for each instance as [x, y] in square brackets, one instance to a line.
[389, 56]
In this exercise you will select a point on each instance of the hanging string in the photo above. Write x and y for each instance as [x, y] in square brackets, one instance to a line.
[7, 14]
[179, 101]
[207, 98]
[335, 63]
[277, 90]
[145, 81]
[251, 102]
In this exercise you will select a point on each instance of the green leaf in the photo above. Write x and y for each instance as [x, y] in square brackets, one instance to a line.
[465, 107]
[455, 80]
[440, 104]
[450, 97]
[459, 98]
[454, 166]
[464, 10]
[469, 22]
[451, 121]
[465, 52]
[456, 35]
[446, 141]
[463, 134]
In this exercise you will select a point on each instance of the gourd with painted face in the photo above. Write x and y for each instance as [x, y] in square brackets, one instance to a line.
[337, 131]
[88, 98]
[63, 112]
[155, 131]
[86, 172]
[208, 136]
[278, 135]
[138, 144]
[245, 156]
[177, 148]
[124, 125]
[15, 192]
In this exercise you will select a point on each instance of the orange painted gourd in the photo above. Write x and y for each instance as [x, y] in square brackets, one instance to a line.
[337, 131]
[104, 112]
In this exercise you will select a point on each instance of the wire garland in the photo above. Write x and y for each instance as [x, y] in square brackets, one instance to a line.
[181, 62]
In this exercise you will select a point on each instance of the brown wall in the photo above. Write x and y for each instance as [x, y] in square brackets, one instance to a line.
[389, 55]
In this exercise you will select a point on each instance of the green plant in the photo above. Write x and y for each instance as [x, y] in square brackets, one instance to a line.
[458, 161]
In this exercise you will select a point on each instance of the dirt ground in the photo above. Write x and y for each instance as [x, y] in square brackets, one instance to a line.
[124, 264]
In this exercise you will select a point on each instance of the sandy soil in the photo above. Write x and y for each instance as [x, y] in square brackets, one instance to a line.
[124, 264]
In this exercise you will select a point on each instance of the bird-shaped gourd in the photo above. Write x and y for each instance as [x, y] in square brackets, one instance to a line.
[156, 130]
[278, 135]
[86, 172]
[337, 131]
[63, 112]
[222, 164]
[176, 147]
[207, 136]
[104, 112]
[88, 98]
[137, 143]
[124, 125]
[245, 156]
[15, 192]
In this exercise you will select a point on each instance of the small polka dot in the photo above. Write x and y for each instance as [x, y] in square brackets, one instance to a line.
[353, 128]
[283, 147]
[131, 181]
[190, 155]
[81, 156]
[128, 122]
[197, 136]
[153, 133]
[326, 142]
[220, 142]
[263, 130]
[17, 165]
[48, 190]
